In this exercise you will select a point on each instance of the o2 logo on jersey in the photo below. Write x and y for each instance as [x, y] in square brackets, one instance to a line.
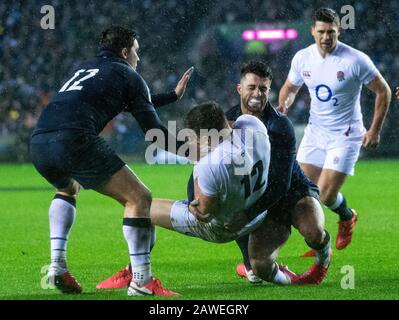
[324, 94]
[75, 86]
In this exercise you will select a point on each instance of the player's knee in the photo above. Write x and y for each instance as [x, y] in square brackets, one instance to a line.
[315, 237]
[71, 190]
[139, 199]
[263, 268]
[310, 220]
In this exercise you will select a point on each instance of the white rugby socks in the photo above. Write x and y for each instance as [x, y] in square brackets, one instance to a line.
[280, 277]
[138, 235]
[61, 216]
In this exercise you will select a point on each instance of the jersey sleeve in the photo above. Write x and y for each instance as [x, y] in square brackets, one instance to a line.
[207, 180]
[138, 95]
[367, 71]
[294, 76]
[164, 99]
[282, 158]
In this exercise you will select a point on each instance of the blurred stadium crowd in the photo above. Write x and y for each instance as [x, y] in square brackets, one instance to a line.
[173, 35]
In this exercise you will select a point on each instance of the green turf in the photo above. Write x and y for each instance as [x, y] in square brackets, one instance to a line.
[195, 268]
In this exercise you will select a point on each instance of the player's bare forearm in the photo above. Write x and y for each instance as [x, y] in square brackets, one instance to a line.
[203, 207]
[382, 102]
[287, 96]
[383, 98]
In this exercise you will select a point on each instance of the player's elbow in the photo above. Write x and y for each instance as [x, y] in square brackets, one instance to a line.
[381, 89]
[388, 92]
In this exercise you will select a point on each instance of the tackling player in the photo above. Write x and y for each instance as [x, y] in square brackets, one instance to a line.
[334, 74]
[225, 196]
[292, 199]
[66, 150]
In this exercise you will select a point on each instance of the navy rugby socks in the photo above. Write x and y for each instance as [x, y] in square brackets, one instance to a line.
[323, 255]
[242, 243]
[341, 208]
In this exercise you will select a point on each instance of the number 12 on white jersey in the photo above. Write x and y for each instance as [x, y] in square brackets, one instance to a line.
[75, 85]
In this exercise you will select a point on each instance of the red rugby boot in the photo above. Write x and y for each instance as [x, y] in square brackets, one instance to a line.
[309, 254]
[345, 231]
[152, 288]
[119, 280]
[248, 274]
[63, 281]
[315, 275]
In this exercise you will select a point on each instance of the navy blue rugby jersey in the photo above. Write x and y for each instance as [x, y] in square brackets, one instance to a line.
[96, 92]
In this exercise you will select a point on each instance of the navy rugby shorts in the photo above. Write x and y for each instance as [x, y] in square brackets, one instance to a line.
[70, 154]
[282, 211]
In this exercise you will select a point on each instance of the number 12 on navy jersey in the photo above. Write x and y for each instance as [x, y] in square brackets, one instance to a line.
[87, 74]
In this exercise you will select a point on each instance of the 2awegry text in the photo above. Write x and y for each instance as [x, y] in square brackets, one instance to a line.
[204, 309]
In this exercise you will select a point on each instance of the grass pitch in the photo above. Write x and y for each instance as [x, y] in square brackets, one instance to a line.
[192, 267]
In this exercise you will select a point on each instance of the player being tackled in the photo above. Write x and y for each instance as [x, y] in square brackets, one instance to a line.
[226, 193]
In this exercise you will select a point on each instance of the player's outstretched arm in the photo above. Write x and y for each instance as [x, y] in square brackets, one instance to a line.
[287, 96]
[163, 99]
[182, 84]
[149, 120]
[382, 100]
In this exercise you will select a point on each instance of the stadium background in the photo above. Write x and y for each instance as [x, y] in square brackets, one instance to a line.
[174, 35]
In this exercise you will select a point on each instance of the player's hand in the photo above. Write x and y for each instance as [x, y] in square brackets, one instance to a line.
[282, 109]
[371, 139]
[397, 93]
[203, 217]
[182, 84]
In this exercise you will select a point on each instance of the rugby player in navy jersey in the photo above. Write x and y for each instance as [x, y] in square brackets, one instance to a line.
[66, 150]
[291, 198]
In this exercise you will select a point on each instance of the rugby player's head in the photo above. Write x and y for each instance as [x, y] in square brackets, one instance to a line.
[121, 41]
[254, 87]
[209, 123]
[325, 29]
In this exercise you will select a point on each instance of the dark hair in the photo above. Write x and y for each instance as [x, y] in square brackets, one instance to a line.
[259, 68]
[116, 38]
[208, 115]
[325, 15]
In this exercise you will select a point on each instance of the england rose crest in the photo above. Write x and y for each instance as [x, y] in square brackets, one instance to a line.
[340, 76]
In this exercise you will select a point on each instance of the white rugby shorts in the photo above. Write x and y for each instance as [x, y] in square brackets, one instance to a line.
[183, 221]
[337, 151]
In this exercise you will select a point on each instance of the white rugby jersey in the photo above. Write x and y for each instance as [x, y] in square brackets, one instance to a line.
[334, 84]
[237, 170]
